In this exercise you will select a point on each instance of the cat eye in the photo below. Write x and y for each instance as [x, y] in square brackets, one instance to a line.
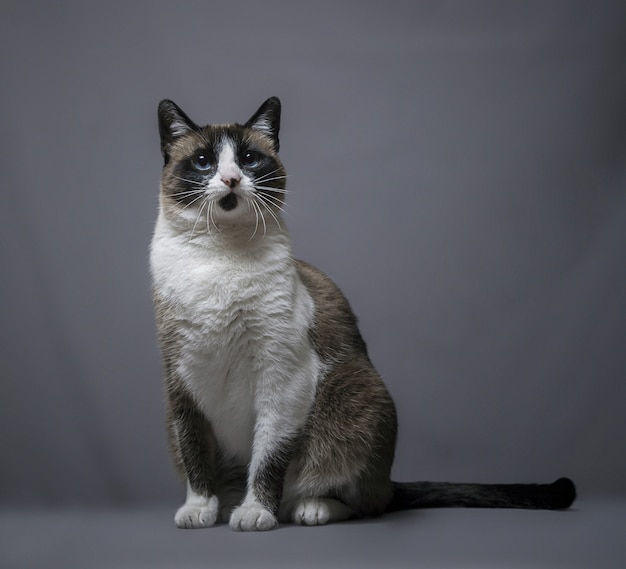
[250, 159]
[201, 161]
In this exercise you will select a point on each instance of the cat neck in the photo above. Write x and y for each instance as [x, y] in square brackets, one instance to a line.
[225, 239]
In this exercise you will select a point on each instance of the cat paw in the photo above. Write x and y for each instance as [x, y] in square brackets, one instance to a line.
[320, 511]
[197, 513]
[252, 516]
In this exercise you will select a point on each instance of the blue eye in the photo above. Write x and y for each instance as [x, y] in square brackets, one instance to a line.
[201, 161]
[250, 159]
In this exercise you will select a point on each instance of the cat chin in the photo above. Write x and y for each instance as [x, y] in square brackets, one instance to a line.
[240, 215]
[198, 222]
[232, 209]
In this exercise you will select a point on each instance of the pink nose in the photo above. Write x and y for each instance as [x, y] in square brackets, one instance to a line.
[231, 182]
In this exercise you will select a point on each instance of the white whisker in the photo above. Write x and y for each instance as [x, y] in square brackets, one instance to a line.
[264, 180]
[211, 208]
[205, 202]
[256, 218]
[258, 208]
[267, 207]
[194, 182]
[271, 189]
[265, 176]
[277, 203]
[194, 200]
[186, 194]
[209, 217]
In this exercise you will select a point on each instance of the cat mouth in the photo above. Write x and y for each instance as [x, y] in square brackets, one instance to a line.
[229, 202]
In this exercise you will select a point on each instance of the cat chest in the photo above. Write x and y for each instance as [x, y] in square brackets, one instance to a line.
[237, 331]
[217, 365]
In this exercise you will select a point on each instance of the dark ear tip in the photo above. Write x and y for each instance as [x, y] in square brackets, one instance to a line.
[166, 105]
[272, 104]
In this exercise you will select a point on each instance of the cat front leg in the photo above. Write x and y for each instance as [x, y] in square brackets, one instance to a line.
[283, 402]
[284, 391]
[259, 509]
[198, 511]
[194, 447]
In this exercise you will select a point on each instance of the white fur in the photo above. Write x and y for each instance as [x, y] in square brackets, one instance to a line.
[252, 516]
[243, 315]
[178, 128]
[227, 166]
[320, 511]
[197, 511]
[264, 125]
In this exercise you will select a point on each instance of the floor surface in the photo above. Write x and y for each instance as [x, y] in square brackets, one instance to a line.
[591, 536]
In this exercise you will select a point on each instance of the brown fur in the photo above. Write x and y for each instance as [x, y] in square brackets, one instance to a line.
[351, 432]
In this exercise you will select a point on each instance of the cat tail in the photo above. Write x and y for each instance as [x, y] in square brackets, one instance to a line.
[556, 496]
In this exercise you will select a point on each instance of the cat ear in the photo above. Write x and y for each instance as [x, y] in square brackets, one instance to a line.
[267, 120]
[173, 123]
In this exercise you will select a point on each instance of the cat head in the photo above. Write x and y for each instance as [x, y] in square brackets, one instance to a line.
[220, 175]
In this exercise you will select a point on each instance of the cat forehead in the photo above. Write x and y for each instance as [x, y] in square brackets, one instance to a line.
[216, 137]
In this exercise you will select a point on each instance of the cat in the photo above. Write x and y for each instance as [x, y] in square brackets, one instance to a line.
[274, 411]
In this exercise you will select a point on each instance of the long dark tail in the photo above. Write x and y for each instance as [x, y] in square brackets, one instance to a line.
[556, 496]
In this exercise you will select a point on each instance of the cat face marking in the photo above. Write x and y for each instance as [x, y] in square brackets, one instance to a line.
[230, 175]
[225, 175]
[222, 174]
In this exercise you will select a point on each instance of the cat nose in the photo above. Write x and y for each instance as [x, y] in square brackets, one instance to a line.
[231, 181]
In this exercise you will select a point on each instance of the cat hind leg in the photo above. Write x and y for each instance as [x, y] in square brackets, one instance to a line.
[320, 511]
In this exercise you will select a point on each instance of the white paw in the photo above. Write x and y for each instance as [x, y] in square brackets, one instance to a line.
[252, 516]
[320, 511]
[197, 513]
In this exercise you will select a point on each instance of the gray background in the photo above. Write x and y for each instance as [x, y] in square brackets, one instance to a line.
[457, 168]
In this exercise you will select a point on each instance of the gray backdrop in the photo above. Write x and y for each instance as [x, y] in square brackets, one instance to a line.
[457, 168]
